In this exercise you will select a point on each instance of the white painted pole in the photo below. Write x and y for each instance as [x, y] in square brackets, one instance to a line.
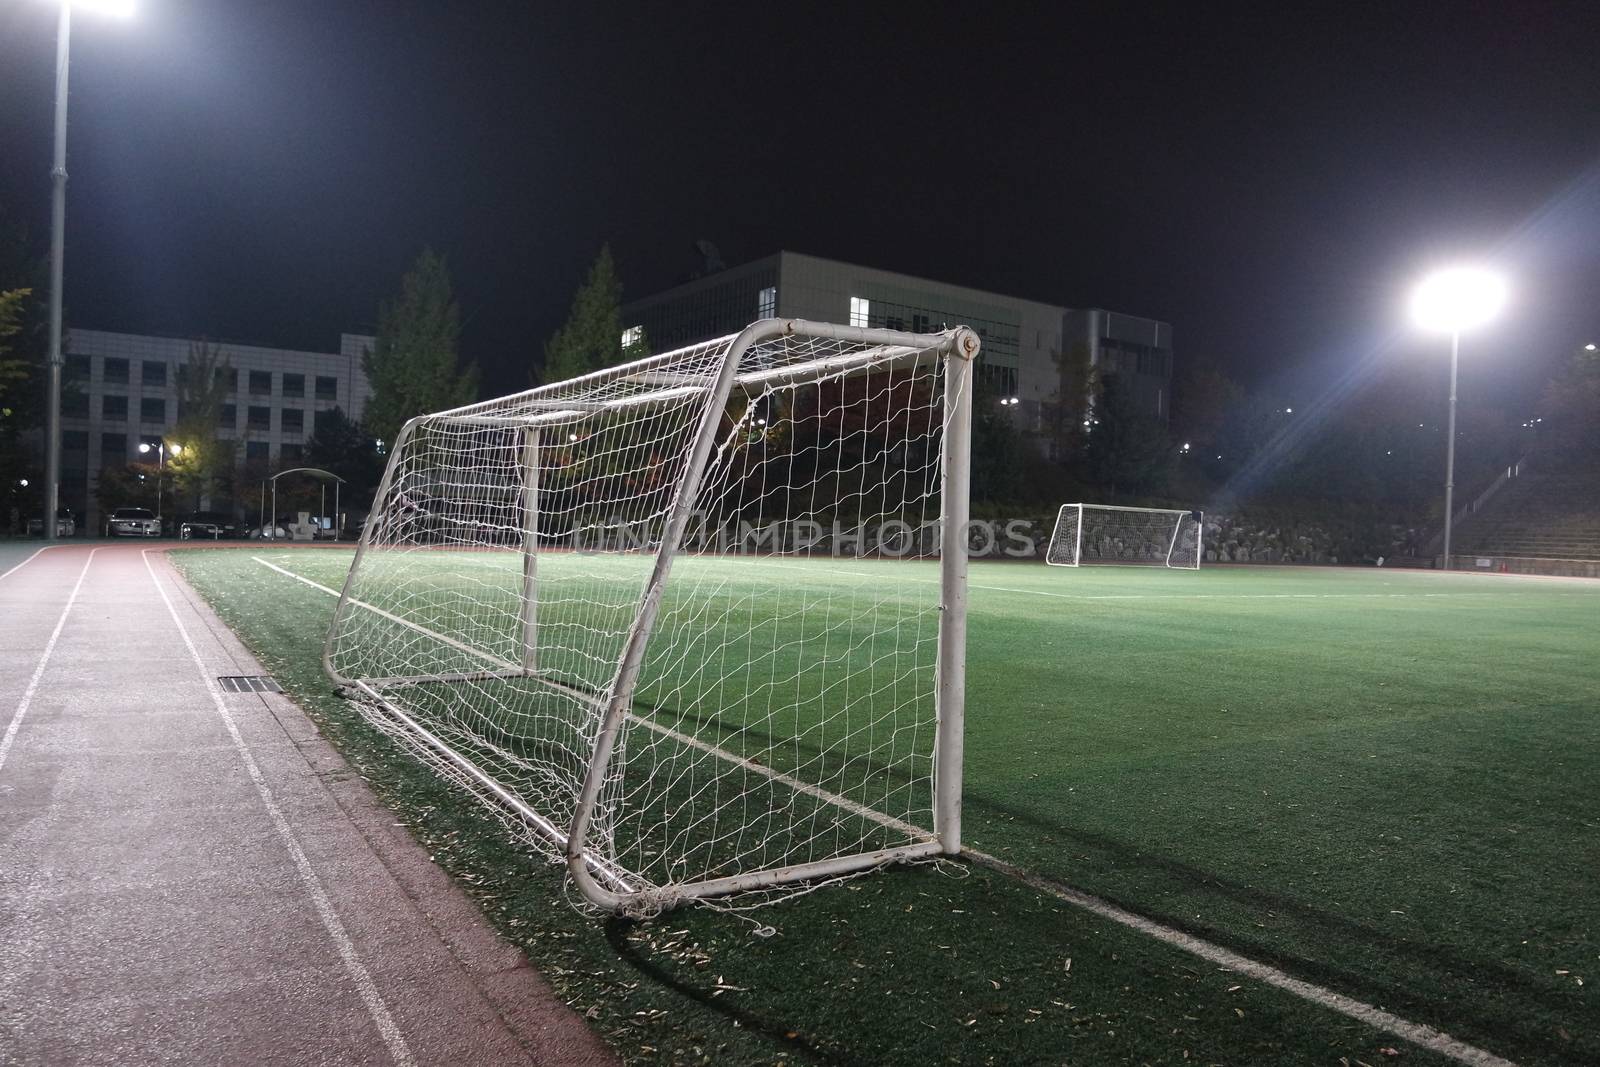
[1077, 550]
[951, 689]
[530, 549]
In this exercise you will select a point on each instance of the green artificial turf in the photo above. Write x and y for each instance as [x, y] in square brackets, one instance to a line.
[1381, 781]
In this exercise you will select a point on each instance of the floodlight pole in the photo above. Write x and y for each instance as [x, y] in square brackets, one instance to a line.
[1450, 449]
[58, 230]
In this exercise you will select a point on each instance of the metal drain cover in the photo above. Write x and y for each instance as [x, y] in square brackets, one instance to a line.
[248, 683]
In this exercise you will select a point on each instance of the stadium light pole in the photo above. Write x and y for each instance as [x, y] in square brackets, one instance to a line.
[58, 233]
[1448, 302]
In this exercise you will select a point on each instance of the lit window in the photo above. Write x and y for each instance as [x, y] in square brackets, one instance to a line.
[632, 336]
[767, 303]
[860, 311]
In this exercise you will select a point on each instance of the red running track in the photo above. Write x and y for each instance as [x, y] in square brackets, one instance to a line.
[188, 875]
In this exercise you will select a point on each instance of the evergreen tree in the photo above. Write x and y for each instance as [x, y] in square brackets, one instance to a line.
[414, 363]
[591, 338]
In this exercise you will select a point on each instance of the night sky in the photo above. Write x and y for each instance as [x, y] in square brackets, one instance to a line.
[1269, 179]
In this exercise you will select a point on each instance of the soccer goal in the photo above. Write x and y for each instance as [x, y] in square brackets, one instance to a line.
[611, 609]
[1137, 537]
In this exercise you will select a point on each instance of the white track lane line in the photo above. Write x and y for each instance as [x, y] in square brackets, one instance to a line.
[1415, 1033]
[368, 989]
[38, 672]
[35, 556]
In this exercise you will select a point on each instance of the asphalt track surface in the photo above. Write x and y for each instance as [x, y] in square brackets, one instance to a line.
[189, 875]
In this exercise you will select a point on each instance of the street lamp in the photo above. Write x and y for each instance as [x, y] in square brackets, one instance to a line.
[58, 230]
[161, 449]
[1449, 302]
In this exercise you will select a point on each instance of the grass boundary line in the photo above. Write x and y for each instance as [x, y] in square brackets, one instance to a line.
[1417, 1034]
[322, 903]
[1414, 1033]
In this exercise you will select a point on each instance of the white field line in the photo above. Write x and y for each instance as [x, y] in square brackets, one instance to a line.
[1135, 596]
[1415, 1033]
[35, 556]
[38, 672]
[693, 742]
[365, 986]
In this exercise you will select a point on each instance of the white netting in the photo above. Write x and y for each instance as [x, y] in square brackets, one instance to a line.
[784, 712]
[1088, 534]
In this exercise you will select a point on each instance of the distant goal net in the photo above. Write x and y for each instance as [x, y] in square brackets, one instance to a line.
[604, 607]
[1087, 534]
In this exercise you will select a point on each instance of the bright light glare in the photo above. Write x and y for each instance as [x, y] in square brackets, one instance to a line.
[176, 450]
[144, 448]
[1457, 299]
[1588, 348]
[122, 9]
[23, 483]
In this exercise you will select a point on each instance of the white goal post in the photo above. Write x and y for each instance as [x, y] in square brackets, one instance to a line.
[596, 606]
[1088, 534]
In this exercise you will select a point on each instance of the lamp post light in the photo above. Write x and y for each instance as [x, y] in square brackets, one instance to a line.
[1449, 302]
[161, 448]
[58, 231]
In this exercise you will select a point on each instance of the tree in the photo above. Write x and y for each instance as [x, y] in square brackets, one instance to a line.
[591, 338]
[130, 486]
[1128, 451]
[1067, 410]
[203, 463]
[348, 449]
[1572, 406]
[413, 365]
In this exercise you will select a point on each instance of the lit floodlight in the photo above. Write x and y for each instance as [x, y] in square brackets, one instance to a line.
[23, 483]
[144, 447]
[176, 450]
[1588, 348]
[1457, 299]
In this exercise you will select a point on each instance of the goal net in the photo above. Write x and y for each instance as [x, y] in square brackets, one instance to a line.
[1139, 537]
[611, 609]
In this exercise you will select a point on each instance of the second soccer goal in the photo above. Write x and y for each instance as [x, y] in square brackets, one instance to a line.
[1134, 537]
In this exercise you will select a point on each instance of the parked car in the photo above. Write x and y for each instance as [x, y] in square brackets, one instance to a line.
[133, 522]
[66, 525]
[208, 526]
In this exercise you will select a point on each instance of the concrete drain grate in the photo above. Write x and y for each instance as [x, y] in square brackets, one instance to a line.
[248, 683]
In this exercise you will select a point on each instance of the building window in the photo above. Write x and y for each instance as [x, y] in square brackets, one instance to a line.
[74, 404]
[154, 372]
[291, 453]
[115, 370]
[292, 420]
[114, 408]
[152, 409]
[77, 368]
[294, 385]
[227, 378]
[229, 419]
[74, 440]
[860, 311]
[327, 388]
[632, 336]
[919, 323]
[257, 450]
[260, 383]
[259, 418]
[767, 303]
[113, 448]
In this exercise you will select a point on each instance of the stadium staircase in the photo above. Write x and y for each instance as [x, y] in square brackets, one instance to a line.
[1546, 513]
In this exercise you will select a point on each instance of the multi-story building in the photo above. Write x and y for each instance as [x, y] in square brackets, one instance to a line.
[1022, 339]
[123, 391]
